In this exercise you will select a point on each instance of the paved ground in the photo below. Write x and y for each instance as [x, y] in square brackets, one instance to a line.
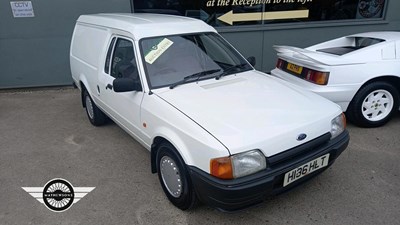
[45, 134]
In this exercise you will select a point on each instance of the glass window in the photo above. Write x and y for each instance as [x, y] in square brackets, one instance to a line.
[108, 57]
[123, 61]
[357, 43]
[171, 59]
[250, 12]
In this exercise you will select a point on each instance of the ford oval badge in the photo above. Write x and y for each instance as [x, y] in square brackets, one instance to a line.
[301, 137]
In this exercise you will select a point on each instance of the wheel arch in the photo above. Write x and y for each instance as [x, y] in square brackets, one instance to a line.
[391, 79]
[83, 89]
[153, 152]
[178, 145]
[83, 84]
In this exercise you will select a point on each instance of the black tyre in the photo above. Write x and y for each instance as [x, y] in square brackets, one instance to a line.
[373, 105]
[174, 177]
[95, 115]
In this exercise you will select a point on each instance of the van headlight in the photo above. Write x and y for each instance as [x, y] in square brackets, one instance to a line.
[338, 125]
[238, 165]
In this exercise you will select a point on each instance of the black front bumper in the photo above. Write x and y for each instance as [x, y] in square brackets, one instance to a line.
[231, 195]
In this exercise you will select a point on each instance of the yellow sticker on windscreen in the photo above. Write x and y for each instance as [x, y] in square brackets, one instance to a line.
[157, 50]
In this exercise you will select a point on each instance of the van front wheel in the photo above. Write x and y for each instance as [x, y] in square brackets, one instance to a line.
[174, 177]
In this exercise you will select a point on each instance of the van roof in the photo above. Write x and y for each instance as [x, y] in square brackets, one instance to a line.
[143, 25]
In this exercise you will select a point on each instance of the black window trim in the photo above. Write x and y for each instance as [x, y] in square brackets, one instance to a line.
[110, 52]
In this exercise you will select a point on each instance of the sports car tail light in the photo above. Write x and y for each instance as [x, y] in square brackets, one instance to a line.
[317, 77]
[279, 64]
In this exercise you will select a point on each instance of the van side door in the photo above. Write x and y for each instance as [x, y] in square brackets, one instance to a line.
[123, 107]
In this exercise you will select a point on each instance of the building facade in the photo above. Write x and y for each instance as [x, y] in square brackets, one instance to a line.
[35, 35]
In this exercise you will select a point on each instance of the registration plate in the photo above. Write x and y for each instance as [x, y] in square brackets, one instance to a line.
[306, 169]
[294, 68]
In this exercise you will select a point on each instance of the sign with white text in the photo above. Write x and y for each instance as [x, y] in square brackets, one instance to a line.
[22, 9]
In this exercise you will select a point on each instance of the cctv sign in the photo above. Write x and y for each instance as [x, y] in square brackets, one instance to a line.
[22, 9]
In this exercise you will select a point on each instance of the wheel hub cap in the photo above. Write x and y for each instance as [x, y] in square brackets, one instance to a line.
[89, 107]
[171, 176]
[377, 105]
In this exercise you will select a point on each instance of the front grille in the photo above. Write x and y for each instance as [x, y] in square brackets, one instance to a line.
[291, 156]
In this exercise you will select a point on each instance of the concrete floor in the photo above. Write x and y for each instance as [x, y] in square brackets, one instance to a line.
[45, 134]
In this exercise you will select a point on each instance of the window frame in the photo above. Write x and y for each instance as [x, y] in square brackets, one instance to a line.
[110, 51]
[115, 38]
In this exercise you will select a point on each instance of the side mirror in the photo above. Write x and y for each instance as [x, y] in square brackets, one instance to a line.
[252, 60]
[126, 84]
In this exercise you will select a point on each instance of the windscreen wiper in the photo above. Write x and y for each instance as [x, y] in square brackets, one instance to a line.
[195, 75]
[229, 69]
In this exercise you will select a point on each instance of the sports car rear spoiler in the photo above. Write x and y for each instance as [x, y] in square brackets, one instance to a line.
[308, 56]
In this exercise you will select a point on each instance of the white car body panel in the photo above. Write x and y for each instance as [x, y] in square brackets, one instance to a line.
[198, 118]
[270, 127]
[348, 72]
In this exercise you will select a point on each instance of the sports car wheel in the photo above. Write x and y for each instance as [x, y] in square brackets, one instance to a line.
[373, 105]
[174, 178]
[95, 115]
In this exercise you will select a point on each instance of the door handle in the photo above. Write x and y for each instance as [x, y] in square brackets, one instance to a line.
[109, 86]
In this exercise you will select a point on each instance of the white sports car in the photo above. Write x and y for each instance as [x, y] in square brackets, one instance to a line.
[360, 72]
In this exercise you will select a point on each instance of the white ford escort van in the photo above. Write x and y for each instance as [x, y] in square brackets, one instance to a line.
[218, 130]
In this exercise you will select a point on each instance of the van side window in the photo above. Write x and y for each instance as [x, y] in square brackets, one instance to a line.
[108, 57]
[124, 61]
